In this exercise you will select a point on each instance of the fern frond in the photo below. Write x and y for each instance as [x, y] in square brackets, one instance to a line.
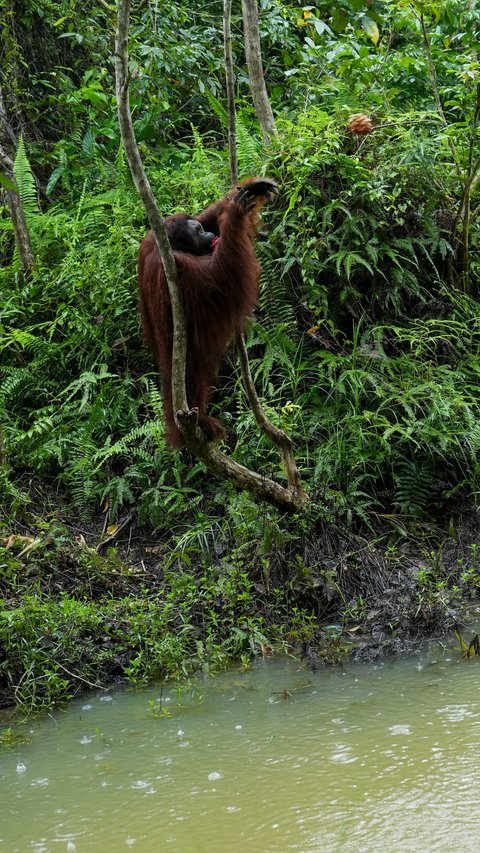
[150, 429]
[27, 188]
[217, 108]
[413, 486]
[249, 151]
[13, 379]
[275, 302]
[26, 340]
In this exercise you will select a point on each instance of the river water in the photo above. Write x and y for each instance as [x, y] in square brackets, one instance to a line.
[369, 758]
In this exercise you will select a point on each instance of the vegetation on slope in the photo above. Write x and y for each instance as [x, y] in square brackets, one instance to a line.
[364, 347]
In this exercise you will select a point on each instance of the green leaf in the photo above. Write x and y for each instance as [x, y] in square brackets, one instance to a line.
[7, 183]
[339, 19]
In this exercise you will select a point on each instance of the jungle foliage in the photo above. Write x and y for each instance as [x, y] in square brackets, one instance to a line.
[365, 345]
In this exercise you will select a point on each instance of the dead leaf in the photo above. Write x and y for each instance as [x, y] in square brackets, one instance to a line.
[34, 543]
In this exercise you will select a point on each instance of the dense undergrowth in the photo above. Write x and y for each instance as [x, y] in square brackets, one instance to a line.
[365, 347]
[361, 348]
[73, 619]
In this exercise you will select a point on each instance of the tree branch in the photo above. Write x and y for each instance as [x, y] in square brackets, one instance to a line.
[290, 499]
[277, 436]
[154, 217]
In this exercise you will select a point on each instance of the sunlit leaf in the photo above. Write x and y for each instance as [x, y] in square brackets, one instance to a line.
[371, 29]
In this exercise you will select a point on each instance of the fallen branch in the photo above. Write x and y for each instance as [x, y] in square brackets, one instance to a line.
[80, 678]
[113, 536]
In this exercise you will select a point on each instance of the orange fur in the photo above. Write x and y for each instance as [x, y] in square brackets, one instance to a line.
[219, 291]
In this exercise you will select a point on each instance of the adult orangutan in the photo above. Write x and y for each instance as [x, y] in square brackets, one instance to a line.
[218, 273]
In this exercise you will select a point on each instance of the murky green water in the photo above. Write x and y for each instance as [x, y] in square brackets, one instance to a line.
[372, 758]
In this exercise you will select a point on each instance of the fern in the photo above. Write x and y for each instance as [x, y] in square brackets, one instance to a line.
[88, 144]
[249, 152]
[275, 303]
[42, 426]
[58, 173]
[25, 179]
[75, 230]
[150, 429]
[87, 384]
[217, 108]
[155, 400]
[26, 340]
[413, 486]
[13, 380]
[348, 260]
[249, 147]
[117, 492]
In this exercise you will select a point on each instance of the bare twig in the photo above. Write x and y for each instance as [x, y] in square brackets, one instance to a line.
[80, 678]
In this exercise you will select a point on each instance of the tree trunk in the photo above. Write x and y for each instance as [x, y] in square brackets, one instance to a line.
[253, 54]
[20, 230]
